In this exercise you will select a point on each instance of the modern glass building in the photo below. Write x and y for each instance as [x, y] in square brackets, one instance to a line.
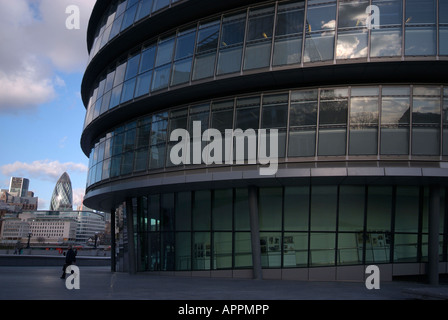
[357, 92]
[62, 198]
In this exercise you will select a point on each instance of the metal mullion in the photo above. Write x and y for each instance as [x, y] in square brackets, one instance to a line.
[274, 28]
[411, 110]
[349, 107]
[218, 49]
[246, 31]
[380, 112]
[316, 147]
[305, 13]
[287, 125]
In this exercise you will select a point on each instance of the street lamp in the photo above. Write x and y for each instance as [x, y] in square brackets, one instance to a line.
[29, 238]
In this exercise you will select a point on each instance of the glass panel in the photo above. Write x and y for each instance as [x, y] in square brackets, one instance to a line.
[132, 67]
[183, 211]
[288, 34]
[322, 249]
[119, 74]
[229, 60]
[445, 126]
[128, 90]
[296, 208]
[395, 117]
[363, 126]
[385, 42]
[222, 210]
[352, 44]
[405, 247]
[201, 251]
[379, 209]
[421, 11]
[420, 41]
[204, 66]
[270, 208]
[321, 17]
[319, 47]
[201, 210]
[323, 208]
[349, 248]
[207, 37]
[391, 11]
[379, 213]
[148, 57]
[426, 126]
[352, 14]
[165, 51]
[167, 212]
[159, 4]
[185, 45]
[129, 17]
[270, 244]
[242, 220]
[295, 249]
[222, 250]
[351, 208]
[233, 27]
[248, 113]
[406, 211]
[161, 78]
[243, 250]
[183, 251]
[275, 111]
[259, 35]
[144, 9]
[181, 72]
[143, 84]
[115, 97]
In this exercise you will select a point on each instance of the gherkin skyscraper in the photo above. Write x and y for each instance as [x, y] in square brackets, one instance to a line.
[62, 198]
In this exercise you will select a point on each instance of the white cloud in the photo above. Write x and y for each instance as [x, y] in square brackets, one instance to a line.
[36, 45]
[42, 169]
[78, 197]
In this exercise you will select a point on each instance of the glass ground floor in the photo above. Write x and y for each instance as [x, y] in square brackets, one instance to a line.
[300, 226]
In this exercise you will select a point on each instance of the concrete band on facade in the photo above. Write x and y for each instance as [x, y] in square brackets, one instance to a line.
[415, 186]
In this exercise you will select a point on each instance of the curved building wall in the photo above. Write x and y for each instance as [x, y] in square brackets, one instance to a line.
[359, 106]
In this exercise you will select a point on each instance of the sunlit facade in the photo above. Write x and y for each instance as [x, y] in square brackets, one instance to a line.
[360, 103]
[62, 198]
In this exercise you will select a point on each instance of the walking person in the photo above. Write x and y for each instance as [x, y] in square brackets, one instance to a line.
[70, 258]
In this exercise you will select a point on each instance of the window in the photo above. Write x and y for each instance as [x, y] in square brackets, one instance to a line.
[420, 36]
[206, 46]
[333, 122]
[231, 45]
[319, 31]
[162, 68]
[395, 118]
[259, 38]
[303, 123]
[275, 115]
[288, 34]
[364, 121]
[352, 34]
[426, 121]
[386, 41]
[183, 57]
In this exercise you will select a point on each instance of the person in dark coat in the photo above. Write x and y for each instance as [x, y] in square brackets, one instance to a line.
[70, 258]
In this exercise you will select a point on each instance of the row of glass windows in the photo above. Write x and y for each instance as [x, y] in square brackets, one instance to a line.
[120, 15]
[271, 35]
[300, 226]
[354, 121]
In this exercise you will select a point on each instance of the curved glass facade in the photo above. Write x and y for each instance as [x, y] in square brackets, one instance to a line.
[121, 15]
[270, 36]
[355, 93]
[300, 226]
[362, 122]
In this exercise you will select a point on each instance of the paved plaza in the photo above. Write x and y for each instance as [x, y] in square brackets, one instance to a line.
[99, 283]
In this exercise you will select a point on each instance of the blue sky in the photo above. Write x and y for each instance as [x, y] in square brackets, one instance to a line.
[41, 112]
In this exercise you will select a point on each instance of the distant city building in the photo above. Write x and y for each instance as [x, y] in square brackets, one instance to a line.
[52, 227]
[19, 203]
[62, 198]
[19, 187]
